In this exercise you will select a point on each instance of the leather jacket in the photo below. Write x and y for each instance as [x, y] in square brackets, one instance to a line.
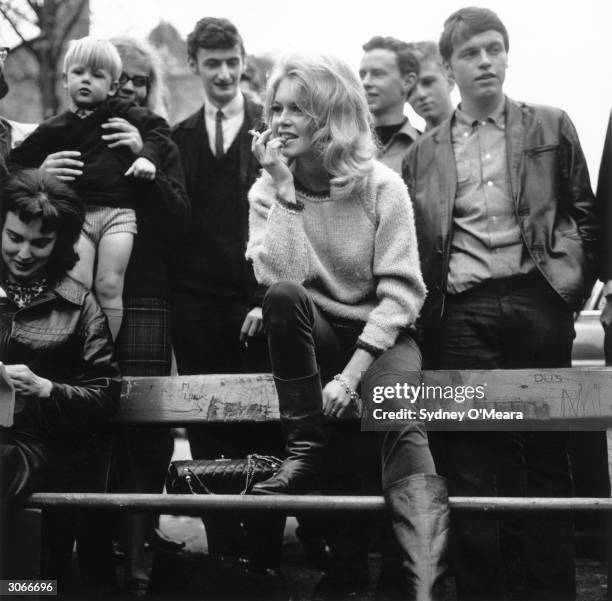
[604, 200]
[553, 201]
[63, 336]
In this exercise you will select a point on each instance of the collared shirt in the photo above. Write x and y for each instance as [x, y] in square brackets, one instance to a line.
[486, 242]
[233, 117]
[393, 153]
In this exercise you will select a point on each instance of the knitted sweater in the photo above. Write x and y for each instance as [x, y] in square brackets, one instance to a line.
[357, 257]
[103, 182]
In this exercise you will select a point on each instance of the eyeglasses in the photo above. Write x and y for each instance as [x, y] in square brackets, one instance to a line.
[4, 50]
[140, 81]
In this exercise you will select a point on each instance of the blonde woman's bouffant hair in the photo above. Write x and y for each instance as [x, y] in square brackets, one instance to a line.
[128, 46]
[330, 93]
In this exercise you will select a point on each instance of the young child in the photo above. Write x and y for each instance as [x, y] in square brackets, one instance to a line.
[92, 68]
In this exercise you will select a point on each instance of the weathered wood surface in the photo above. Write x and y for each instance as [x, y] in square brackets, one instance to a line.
[573, 398]
[187, 399]
[289, 504]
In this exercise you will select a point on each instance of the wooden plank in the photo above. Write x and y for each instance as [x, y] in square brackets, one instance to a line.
[563, 398]
[188, 399]
[290, 504]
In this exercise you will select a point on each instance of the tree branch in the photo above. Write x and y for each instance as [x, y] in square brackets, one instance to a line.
[61, 38]
[26, 43]
[34, 6]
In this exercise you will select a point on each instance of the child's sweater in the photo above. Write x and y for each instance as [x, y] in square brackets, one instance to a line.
[103, 182]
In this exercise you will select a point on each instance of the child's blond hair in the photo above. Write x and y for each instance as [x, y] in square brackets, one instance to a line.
[95, 53]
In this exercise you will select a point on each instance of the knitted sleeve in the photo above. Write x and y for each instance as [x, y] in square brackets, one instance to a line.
[155, 131]
[277, 247]
[400, 289]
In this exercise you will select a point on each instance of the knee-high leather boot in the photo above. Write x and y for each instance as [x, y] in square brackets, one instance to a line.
[300, 403]
[419, 513]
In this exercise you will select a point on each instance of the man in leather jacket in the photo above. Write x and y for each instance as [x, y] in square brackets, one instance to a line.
[508, 235]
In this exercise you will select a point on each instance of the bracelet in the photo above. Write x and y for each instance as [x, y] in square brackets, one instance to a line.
[353, 394]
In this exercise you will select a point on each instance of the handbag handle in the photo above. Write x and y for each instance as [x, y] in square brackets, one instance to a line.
[270, 460]
[189, 474]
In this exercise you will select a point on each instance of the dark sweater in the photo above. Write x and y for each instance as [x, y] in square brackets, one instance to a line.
[162, 212]
[210, 260]
[102, 182]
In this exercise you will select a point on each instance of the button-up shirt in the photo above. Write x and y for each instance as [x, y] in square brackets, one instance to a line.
[233, 117]
[486, 242]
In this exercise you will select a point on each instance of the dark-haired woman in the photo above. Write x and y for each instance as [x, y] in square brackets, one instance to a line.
[144, 342]
[56, 347]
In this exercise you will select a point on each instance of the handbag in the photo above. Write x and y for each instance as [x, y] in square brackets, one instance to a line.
[220, 476]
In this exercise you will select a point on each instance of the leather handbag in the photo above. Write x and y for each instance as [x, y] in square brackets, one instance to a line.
[220, 476]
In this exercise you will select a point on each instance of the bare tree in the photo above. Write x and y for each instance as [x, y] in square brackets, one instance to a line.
[44, 27]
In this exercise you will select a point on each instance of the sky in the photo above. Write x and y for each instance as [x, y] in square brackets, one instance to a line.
[559, 51]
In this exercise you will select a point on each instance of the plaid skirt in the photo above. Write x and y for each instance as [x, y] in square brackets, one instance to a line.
[144, 346]
[142, 453]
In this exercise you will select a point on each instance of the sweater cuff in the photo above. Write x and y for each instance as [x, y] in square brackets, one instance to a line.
[370, 348]
[150, 152]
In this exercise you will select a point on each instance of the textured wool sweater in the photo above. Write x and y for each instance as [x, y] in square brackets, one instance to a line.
[356, 256]
[103, 182]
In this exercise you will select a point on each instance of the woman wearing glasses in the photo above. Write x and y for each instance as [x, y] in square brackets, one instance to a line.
[144, 345]
[144, 342]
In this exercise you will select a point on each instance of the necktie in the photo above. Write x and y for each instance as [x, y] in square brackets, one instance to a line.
[219, 134]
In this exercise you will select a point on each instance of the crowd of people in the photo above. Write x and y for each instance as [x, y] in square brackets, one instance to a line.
[320, 236]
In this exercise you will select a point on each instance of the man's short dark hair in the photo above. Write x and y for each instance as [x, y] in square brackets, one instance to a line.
[213, 33]
[466, 23]
[407, 62]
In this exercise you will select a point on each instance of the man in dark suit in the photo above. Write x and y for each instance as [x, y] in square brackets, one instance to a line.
[508, 235]
[215, 305]
[216, 310]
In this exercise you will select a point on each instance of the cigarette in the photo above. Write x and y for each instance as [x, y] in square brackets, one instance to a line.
[254, 133]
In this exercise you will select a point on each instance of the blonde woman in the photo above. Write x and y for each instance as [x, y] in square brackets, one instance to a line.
[332, 235]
